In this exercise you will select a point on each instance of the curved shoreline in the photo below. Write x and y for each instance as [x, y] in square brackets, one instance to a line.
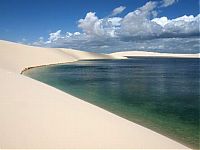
[46, 120]
[28, 68]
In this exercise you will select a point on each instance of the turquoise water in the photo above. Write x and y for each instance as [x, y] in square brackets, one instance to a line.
[159, 93]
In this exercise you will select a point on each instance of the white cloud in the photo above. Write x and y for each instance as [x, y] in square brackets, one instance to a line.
[54, 36]
[98, 28]
[138, 29]
[181, 26]
[77, 33]
[68, 34]
[118, 10]
[91, 25]
[161, 21]
[166, 3]
[164, 20]
[115, 21]
[137, 24]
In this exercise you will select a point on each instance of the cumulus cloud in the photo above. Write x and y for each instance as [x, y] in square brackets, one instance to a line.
[118, 10]
[98, 28]
[54, 36]
[180, 27]
[140, 29]
[91, 25]
[137, 24]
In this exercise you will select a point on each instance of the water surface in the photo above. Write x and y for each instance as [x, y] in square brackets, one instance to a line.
[159, 93]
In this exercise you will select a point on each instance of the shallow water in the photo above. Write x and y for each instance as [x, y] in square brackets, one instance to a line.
[159, 93]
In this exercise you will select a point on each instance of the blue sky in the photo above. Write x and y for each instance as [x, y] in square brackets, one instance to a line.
[37, 22]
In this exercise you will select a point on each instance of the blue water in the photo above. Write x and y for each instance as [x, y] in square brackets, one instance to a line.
[159, 93]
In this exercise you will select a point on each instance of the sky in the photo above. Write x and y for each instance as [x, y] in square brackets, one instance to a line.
[103, 25]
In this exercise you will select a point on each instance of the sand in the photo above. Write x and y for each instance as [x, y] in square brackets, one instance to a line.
[35, 115]
[153, 54]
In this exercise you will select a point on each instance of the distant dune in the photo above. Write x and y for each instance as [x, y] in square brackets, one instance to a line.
[153, 54]
[35, 115]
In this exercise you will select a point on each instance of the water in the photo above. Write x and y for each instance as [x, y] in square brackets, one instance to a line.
[159, 93]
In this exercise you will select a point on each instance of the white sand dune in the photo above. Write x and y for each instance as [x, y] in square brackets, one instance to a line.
[16, 57]
[153, 54]
[35, 115]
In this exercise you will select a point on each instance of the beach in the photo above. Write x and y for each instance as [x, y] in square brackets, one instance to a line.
[36, 115]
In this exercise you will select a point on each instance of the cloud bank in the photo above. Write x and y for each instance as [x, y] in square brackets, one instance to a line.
[140, 29]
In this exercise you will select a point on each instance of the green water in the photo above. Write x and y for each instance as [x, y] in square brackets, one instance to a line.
[159, 93]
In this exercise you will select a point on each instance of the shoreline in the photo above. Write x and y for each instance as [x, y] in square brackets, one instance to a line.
[126, 57]
[29, 68]
[56, 109]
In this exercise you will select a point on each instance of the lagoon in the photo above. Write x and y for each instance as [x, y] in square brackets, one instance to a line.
[159, 93]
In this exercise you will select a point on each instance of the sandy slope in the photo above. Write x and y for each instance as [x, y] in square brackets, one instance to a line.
[152, 54]
[16, 57]
[35, 115]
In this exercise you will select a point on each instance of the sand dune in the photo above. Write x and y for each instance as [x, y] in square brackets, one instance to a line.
[16, 57]
[35, 115]
[152, 54]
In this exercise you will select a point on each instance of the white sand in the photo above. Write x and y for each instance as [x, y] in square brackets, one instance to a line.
[35, 115]
[16, 57]
[152, 54]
